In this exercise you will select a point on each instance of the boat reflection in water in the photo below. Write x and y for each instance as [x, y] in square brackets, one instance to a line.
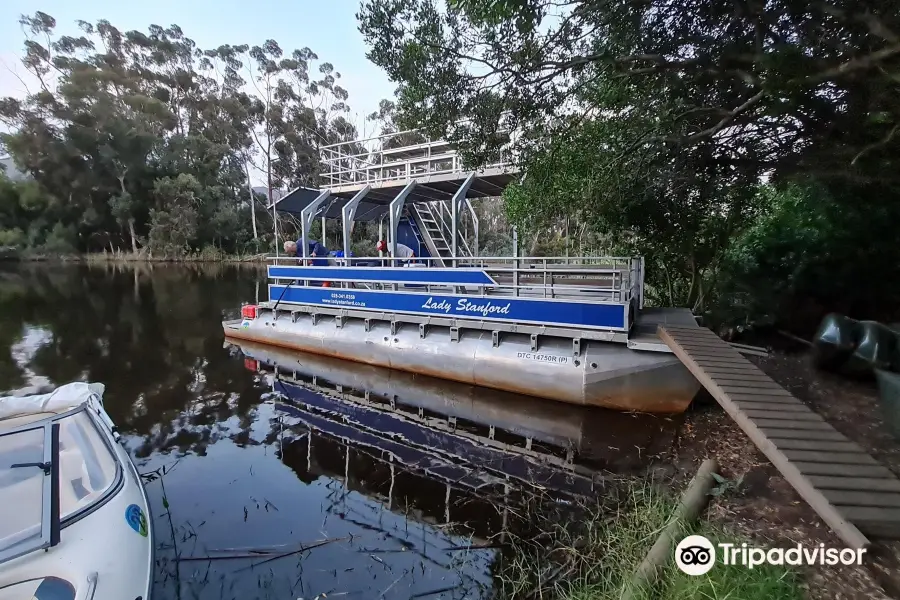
[437, 471]
[464, 419]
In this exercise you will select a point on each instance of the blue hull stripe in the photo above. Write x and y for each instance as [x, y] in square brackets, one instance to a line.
[513, 310]
[385, 275]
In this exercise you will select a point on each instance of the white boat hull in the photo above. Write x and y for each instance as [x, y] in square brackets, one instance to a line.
[603, 374]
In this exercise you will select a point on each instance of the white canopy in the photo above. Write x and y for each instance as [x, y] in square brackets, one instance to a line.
[59, 400]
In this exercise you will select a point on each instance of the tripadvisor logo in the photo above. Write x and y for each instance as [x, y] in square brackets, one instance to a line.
[696, 555]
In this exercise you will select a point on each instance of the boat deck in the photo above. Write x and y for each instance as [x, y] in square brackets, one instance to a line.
[851, 491]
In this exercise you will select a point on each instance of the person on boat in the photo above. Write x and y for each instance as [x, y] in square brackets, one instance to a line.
[404, 252]
[317, 251]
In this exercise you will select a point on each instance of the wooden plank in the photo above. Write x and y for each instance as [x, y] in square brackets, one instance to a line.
[830, 435]
[712, 359]
[704, 345]
[745, 378]
[847, 531]
[851, 458]
[748, 376]
[744, 371]
[765, 412]
[834, 470]
[874, 484]
[872, 514]
[738, 379]
[709, 346]
[753, 390]
[726, 363]
[756, 384]
[865, 498]
[786, 421]
[705, 348]
[703, 341]
[817, 446]
[684, 329]
[771, 402]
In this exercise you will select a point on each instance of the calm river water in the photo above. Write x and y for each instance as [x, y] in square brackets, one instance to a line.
[385, 495]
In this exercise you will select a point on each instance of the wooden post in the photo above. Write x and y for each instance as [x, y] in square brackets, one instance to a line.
[693, 501]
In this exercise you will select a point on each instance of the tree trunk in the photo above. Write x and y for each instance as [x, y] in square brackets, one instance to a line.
[252, 201]
[134, 247]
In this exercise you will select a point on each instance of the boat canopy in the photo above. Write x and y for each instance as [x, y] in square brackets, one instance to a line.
[61, 399]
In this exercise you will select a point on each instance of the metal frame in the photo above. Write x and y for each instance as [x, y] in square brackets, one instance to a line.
[456, 202]
[396, 208]
[348, 213]
[376, 164]
[547, 278]
[306, 217]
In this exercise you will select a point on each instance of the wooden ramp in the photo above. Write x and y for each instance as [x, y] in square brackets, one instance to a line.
[849, 489]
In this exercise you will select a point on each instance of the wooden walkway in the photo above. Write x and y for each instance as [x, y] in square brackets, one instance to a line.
[849, 489]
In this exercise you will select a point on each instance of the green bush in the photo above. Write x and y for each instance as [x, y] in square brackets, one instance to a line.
[14, 238]
[815, 249]
[60, 240]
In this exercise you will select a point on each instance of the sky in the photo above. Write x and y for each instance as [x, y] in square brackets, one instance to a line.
[327, 27]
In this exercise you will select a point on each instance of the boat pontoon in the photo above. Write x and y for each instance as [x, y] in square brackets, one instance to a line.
[75, 520]
[572, 329]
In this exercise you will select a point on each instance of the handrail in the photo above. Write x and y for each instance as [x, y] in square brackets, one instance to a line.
[475, 222]
[570, 260]
[363, 163]
[609, 279]
[429, 241]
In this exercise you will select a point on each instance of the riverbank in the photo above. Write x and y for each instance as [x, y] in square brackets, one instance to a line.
[588, 552]
[205, 256]
[592, 551]
[762, 505]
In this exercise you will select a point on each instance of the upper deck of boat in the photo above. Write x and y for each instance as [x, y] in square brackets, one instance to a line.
[386, 164]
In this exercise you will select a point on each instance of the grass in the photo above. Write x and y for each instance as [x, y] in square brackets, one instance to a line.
[590, 553]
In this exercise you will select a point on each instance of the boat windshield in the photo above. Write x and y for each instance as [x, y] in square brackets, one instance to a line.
[22, 487]
[86, 468]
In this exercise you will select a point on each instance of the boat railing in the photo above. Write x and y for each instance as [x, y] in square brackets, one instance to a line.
[391, 158]
[604, 279]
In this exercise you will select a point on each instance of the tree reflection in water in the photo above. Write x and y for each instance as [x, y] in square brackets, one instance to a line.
[152, 334]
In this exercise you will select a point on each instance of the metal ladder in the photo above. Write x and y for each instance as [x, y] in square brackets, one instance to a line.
[434, 221]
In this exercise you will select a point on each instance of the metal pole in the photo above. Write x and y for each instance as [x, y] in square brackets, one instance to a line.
[456, 203]
[395, 210]
[515, 236]
[306, 217]
[275, 225]
[348, 213]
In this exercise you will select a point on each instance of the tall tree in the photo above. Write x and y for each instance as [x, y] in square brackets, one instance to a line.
[127, 125]
[653, 121]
